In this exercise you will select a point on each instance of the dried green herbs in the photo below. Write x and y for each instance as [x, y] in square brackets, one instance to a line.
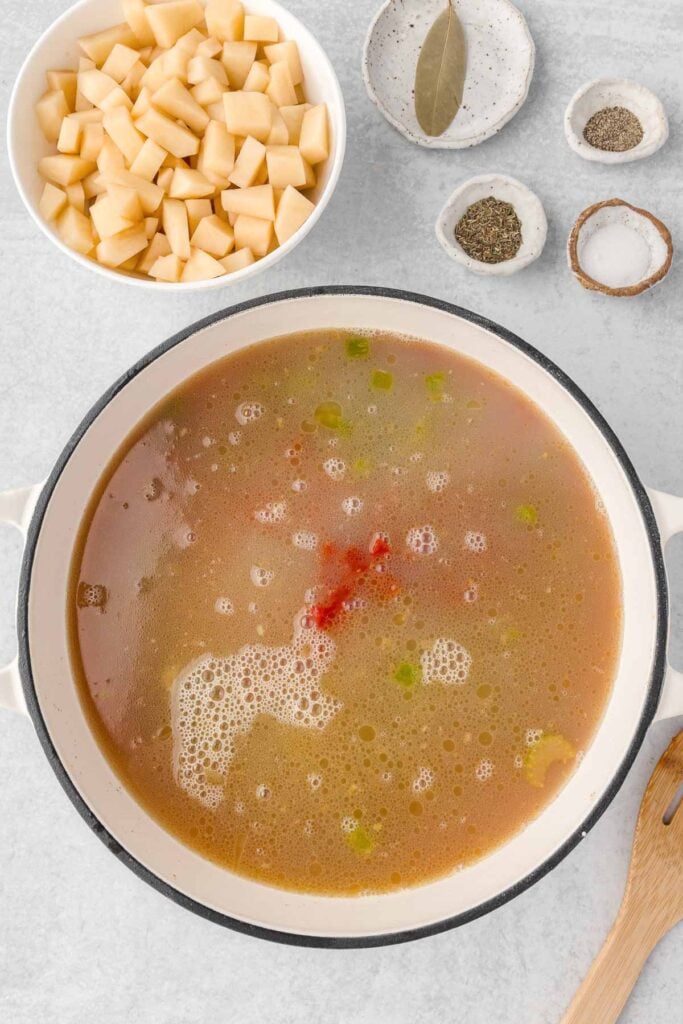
[490, 231]
[614, 129]
[440, 73]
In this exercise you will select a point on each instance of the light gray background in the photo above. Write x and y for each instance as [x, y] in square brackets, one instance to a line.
[80, 937]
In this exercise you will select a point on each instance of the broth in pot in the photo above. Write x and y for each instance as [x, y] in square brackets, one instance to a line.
[345, 611]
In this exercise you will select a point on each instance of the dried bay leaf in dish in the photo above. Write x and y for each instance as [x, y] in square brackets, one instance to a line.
[440, 73]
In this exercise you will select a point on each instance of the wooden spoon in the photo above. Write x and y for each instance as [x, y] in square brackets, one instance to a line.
[653, 901]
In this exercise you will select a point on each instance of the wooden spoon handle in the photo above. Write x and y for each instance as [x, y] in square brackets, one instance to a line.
[610, 980]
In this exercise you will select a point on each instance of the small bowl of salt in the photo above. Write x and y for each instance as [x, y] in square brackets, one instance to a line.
[618, 249]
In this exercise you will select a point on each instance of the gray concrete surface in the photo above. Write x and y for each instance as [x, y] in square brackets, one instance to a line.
[81, 938]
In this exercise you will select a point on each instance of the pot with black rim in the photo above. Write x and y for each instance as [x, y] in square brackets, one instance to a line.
[41, 683]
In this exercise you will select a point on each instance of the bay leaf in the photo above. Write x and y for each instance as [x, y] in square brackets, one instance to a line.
[440, 73]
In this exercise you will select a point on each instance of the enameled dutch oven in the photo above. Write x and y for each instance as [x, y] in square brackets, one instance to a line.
[41, 683]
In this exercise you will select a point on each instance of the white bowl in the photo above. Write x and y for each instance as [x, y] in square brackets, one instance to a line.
[58, 48]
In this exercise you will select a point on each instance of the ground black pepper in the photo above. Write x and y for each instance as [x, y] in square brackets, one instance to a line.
[490, 231]
[614, 129]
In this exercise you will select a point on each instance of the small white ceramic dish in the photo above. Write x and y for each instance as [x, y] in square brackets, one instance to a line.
[619, 249]
[500, 65]
[616, 92]
[58, 48]
[527, 205]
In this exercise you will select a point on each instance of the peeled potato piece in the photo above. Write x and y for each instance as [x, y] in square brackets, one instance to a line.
[174, 99]
[52, 201]
[99, 45]
[64, 169]
[63, 81]
[255, 201]
[224, 19]
[167, 133]
[158, 246]
[174, 220]
[69, 140]
[214, 236]
[293, 210]
[197, 209]
[107, 219]
[167, 268]
[253, 232]
[237, 59]
[169, 21]
[201, 267]
[134, 13]
[250, 161]
[76, 230]
[187, 183]
[52, 108]
[247, 113]
[314, 139]
[149, 193]
[237, 260]
[260, 29]
[149, 159]
[286, 166]
[116, 250]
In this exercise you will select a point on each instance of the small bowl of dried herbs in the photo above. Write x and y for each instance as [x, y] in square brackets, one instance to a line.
[614, 121]
[493, 224]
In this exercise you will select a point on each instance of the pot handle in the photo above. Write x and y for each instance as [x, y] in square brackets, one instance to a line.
[668, 510]
[16, 508]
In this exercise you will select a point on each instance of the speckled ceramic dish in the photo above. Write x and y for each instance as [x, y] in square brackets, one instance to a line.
[500, 65]
[616, 92]
[528, 208]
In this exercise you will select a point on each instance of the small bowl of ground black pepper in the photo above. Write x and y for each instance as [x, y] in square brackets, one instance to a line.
[614, 121]
[493, 224]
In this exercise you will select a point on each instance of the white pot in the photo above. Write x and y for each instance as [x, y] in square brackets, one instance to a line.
[42, 683]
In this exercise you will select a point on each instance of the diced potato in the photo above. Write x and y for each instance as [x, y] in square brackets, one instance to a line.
[210, 47]
[69, 140]
[63, 81]
[174, 220]
[216, 153]
[280, 87]
[237, 260]
[279, 133]
[149, 159]
[190, 184]
[81, 104]
[293, 210]
[142, 103]
[92, 140]
[133, 80]
[287, 51]
[285, 166]
[151, 225]
[126, 201]
[164, 178]
[149, 193]
[119, 126]
[293, 117]
[214, 236]
[94, 185]
[52, 201]
[65, 169]
[237, 59]
[191, 41]
[167, 268]
[248, 113]
[216, 111]
[258, 78]
[94, 85]
[129, 264]
[262, 176]
[224, 19]
[76, 196]
[314, 140]
[254, 233]
[256, 201]
[157, 247]
[114, 251]
[52, 108]
[201, 267]
[110, 157]
[251, 159]
[120, 61]
[200, 68]
[134, 13]
[197, 209]
[208, 91]
[75, 230]
[311, 180]
[171, 63]
[118, 97]
[167, 133]
[90, 116]
[169, 21]
[99, 45]
[174, 99]
[260, 29]
[174, 161]
[107, 219]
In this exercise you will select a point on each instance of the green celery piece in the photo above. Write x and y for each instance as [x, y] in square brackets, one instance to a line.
[357, 347]
[527, 514]
[382, 380]
[435, 383]
[407, 674]
[360, 841]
